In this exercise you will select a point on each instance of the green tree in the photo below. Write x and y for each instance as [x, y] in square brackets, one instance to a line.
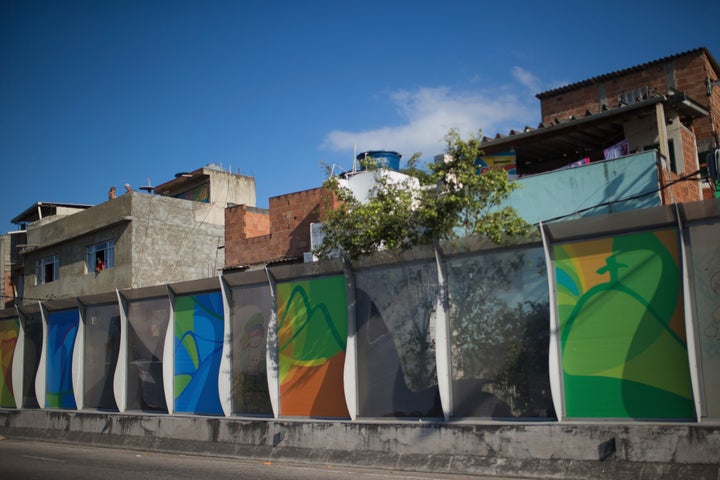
[446, 200]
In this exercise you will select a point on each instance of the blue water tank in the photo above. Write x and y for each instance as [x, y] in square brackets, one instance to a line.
[381, 158]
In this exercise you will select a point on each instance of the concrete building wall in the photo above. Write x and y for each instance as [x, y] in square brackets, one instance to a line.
[155, 239]
[229, 188]
[563, 192]
[175, 240]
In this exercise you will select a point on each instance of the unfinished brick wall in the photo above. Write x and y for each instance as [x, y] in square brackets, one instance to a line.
[288, 233]
[686, 72]
[242, 223]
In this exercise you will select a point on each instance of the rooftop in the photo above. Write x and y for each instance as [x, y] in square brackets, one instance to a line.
[625, 71]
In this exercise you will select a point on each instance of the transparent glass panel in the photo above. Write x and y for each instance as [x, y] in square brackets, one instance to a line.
[33, 350]
[102, 347]
[499, 334]
[395, 316]
[706, 283]
[251, 308]
[148, 322]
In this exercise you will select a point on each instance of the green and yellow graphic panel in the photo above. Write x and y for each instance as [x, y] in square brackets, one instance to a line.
[9, 329]
[312, 337]
[622, 331]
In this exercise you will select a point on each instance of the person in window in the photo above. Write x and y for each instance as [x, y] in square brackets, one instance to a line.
[99, 265]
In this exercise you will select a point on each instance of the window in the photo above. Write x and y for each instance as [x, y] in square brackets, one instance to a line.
[101, 256]
[47, 270]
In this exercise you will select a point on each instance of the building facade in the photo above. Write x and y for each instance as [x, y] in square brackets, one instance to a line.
[281, 233]
[135, 240]
[688, 75]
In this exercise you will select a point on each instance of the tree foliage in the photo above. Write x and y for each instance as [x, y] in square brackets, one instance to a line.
[447, 199]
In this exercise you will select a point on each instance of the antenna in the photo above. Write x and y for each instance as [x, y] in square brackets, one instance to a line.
[148, 188]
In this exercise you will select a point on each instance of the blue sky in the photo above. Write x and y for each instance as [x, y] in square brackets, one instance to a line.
[101, 93]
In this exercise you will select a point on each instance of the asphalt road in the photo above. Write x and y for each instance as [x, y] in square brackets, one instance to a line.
[21, 460]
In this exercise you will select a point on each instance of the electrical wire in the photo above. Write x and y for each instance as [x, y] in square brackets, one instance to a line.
[634, 197]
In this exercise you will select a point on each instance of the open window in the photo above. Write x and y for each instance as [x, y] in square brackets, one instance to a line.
[101, 256]
[47, 270]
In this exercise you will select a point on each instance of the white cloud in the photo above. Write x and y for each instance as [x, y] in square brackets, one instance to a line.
[429, 113]
[527, 79]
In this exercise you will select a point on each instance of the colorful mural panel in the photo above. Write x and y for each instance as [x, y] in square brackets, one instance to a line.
[62, 331]
[9, 331]
[622, 332]
[251, 308]
[199, 331]
[200, 193]
[706, 275]
[312, 338]
[397, 374]
[499, 334]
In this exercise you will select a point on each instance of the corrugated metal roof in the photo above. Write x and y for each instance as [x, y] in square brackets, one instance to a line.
[30, 214]
[584, 134]
[620, 73]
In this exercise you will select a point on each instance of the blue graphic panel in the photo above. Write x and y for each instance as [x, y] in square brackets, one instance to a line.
[199, 330]
[62, 330]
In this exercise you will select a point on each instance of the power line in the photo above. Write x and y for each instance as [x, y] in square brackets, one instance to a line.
[634, 197]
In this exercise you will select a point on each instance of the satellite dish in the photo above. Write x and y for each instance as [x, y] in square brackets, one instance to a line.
[148, 188]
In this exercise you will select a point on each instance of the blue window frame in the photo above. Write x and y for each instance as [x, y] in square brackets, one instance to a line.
[100, 256]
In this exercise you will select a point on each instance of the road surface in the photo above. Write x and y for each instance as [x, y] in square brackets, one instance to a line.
[21, 460]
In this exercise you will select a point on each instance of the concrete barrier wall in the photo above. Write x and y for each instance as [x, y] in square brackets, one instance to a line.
[548, 450]
[572, 328]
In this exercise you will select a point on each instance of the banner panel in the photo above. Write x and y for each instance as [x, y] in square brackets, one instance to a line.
[9, 330]
[199, 332]
[622, 330]
[312, 338]
[62, 331]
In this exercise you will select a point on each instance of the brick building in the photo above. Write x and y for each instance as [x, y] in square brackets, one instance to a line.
[692, 73]
[695, 73]
[281, 233]
[671, 105]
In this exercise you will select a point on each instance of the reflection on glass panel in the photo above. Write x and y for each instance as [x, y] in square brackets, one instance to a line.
[148, 322]
[102, 346]
[499, 334]
[251, 307]
[32, 324]
[199, 333]
[62, 331]
[706, 274]
[9, 329]
[397, 375]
